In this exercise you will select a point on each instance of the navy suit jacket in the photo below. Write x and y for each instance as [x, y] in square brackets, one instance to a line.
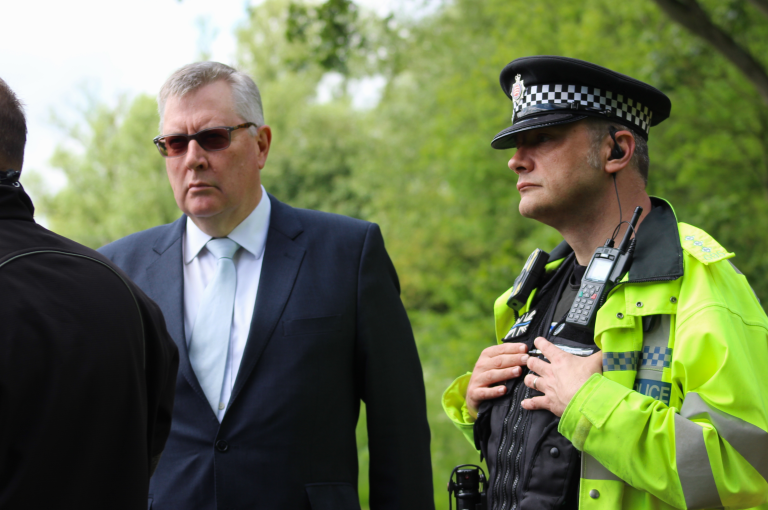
[328, 331]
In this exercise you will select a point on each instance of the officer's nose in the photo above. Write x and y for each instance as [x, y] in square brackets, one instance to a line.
[521, 161]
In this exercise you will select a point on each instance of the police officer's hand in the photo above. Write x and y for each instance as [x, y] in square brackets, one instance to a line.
[495, 365]
[559, 379]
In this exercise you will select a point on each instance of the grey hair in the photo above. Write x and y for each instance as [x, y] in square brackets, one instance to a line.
[245, 93]
[598, 130]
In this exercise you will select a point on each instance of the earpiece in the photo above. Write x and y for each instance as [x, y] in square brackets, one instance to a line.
[616, 151]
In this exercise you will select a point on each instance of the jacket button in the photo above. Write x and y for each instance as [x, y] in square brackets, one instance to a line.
[554, 452]
[673, 299]
[639, 304]
[619, 315]
[222, 445]
[594, 494]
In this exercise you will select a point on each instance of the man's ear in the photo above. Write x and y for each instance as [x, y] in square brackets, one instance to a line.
[264, 141]
[622, 150]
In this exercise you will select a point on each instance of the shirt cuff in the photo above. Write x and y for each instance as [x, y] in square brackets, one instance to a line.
[455, 401]
[590, 407]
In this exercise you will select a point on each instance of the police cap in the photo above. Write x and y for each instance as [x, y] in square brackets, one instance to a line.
[549, 90]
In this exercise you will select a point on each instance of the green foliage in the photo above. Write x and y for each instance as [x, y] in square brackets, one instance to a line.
[116, 182]
[331, 25]
[420, 162]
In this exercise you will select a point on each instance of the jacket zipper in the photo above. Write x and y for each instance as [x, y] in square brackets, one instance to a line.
[500, 459]
[514, 446]
[519, 456]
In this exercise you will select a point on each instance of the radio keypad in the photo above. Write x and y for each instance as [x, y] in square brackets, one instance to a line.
[583, 303]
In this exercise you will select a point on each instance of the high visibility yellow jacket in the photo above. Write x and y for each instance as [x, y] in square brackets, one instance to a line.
[678, 418]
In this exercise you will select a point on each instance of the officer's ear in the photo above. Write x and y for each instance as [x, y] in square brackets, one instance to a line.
[621, 148]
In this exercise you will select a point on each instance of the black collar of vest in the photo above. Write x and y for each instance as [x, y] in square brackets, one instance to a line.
[15, 204]
[659, 254]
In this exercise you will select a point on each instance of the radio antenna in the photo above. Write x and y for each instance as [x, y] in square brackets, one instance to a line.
[627, 235]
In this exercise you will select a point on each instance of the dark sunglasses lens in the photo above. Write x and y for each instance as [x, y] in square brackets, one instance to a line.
[213, 139]
[176, 145]
[160, 144]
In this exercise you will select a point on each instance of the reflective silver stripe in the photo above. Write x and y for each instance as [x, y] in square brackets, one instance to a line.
[591, 469]
[648, 373]
[693, 467]
[749, 440]
[656, 355]
[657, 332]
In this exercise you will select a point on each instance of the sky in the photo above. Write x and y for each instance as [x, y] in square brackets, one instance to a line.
[57, 56]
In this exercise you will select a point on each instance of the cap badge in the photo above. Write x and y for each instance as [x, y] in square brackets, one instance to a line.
[518, 89]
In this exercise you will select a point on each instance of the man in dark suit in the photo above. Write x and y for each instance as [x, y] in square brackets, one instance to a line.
[285, 319]
[87, 368]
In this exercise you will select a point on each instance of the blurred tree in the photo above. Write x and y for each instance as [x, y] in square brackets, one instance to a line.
[692, 15]
[316, 146]
[116, 182]
[332, 27]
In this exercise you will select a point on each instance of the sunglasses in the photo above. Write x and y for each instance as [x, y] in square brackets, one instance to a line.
[211, 139]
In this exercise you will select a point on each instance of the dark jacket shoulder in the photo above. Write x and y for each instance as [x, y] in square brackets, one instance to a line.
[132, 251]
[290, 221]
[329, 225]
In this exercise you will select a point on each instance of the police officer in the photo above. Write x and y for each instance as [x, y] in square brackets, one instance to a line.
[87, 369]
[663, 401]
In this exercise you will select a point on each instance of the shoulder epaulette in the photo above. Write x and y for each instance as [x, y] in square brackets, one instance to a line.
[701, 245]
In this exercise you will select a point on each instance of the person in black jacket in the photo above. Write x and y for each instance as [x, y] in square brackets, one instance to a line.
[87, 369]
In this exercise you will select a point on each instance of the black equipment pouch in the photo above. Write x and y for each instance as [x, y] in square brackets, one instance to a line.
[531, 465]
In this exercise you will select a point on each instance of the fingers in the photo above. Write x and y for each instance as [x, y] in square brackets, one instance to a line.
[478, 392]
[550, 351]
[539, 380]
[491, 377]
[531, 404]
[506, 348]
[499, 363]
[481, 394]
[502, 361]
[539, 366]
[495, 365]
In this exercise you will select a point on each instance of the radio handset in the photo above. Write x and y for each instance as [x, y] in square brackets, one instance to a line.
[605, 270]
[527, 280]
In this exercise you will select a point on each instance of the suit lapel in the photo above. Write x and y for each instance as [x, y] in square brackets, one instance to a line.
[166, 279]
[282, 260]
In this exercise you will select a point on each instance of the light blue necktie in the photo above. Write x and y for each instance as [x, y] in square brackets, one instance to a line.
[210, 335]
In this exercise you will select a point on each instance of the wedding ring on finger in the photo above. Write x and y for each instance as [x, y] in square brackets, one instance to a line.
[534, 383]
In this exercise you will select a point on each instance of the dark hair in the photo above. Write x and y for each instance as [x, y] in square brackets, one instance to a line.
[13, 129]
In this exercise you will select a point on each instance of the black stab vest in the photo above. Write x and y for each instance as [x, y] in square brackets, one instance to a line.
[531, 465]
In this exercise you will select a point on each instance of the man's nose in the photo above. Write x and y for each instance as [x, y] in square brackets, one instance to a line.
[520, 161]
[196, 156]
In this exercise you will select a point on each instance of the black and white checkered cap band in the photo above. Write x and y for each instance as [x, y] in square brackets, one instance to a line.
[602, 100]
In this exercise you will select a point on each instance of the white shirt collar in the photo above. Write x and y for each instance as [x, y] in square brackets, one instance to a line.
[251, 233]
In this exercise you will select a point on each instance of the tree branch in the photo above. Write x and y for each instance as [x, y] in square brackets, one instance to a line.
[761, 5]
[689, 14]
